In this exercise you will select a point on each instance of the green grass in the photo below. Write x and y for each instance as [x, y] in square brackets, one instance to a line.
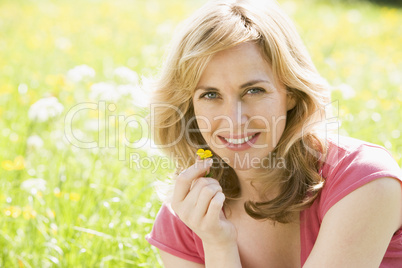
[97, 206]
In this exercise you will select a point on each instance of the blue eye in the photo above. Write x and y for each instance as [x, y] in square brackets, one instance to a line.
[209, 95]
[255, 90]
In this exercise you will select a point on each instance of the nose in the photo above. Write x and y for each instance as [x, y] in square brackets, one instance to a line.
[235, 113]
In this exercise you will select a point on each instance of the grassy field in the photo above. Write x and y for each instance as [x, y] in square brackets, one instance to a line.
[72, 192]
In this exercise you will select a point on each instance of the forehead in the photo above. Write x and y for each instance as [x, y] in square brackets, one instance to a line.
[235, 66]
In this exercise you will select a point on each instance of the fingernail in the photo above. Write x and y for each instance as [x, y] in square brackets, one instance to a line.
[209, 161]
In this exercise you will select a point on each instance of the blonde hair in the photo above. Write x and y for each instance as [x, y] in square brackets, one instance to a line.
[220, 25]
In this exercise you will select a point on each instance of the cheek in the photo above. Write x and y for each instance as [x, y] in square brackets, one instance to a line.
[203, 125]
[278, 125]
[203, 120]
[272, 121]
[278, 130]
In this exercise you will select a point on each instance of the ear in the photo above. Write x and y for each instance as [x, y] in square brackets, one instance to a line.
[290, 101]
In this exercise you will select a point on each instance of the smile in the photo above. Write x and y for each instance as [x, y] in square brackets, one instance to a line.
[240, 144]
[239, 141]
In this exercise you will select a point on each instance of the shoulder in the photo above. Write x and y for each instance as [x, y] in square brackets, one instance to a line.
[346, 151]
[348, 156]
[358, 230]
[359, 209]
[350, 164]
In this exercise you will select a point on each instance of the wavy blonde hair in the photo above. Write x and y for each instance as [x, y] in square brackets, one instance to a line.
[220, 25]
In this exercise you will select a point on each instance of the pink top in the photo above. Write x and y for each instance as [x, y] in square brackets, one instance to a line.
[349, 165]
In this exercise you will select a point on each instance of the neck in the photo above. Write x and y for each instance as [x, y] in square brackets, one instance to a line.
[251, 189]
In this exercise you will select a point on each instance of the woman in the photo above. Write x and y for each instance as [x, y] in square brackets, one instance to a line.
[279, 192]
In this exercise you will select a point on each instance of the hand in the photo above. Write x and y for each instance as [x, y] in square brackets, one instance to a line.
[198, 202]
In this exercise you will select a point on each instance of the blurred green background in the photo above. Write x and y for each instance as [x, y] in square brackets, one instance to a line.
[72, 194]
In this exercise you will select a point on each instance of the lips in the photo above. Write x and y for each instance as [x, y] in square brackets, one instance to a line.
[240, 143]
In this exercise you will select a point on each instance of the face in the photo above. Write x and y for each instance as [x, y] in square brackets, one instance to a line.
[240, 108]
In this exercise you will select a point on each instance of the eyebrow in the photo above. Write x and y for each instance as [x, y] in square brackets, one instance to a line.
[248, 84]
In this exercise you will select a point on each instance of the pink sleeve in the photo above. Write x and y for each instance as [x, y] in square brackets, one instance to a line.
[352, 169]
[171, 235]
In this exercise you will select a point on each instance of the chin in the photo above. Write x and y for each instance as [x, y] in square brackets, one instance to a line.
[243, 161]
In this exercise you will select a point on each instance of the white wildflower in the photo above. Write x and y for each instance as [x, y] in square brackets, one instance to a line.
[110, 92]
[92, 125]
[140, 97]
[104, 91]
[34, 185]
[35, 141]
[44, 109]
[22, 88]
[148, 146]
[63, 43]
[347, 91]
[126, 74]
[395, 77]
[354, 16]
[59, 139]
[376, 117]
[126, 89]
[80, 72]
[133, 124]
[165, 28]
[149, 50]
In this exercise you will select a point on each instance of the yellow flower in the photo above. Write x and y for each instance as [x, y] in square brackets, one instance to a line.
[50, 213]
[39, 194]
[57, 192]
[28, 213]
[204, 154]
[55, 80]
[17, 164]
[12, 211]
[6, 89]
[75, 196]
[54, 228]
[8, 165]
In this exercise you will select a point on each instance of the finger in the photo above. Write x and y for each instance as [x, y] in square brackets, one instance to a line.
[210, 180]
[184, 179]
[190, 199]
[186, 209]
[196, 203]
[196, 188]
[207, 193]
[215, 206]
